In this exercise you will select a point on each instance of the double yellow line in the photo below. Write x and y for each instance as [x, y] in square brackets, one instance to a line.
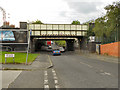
[51, 64]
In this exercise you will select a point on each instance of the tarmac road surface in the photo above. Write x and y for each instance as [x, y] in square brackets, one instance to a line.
[71, 70]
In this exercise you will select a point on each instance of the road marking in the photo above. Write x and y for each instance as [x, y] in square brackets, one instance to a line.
[105, 73]
[51, 64]
[45, 77]
[56, 81]
[45, 73]
[53, 70]
[45, 81]
[86, 64]
[57, 86]
[54, 74]
[55, 77]
[46, 86]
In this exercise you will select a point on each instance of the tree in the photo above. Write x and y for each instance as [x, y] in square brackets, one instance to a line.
[113, 19]
[90, 32]
[76, 22]
[37, 22]
[108, 26]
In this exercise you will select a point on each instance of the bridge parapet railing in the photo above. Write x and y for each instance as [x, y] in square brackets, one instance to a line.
[57, 27]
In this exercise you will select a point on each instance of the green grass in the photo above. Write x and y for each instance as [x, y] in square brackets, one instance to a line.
[19, 57]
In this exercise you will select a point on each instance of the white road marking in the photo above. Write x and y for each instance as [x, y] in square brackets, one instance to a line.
[46, 86]
[45, 81]
[105, 73]
[57, 86]
[86, 64]
[55, 77]
[45, 77]
[45, 73]
[56, 81]
[54, 74]
[53, 70]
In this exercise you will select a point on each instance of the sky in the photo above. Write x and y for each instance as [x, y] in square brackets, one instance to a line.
[52, 11]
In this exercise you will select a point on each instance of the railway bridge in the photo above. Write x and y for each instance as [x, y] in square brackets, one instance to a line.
[67, 32]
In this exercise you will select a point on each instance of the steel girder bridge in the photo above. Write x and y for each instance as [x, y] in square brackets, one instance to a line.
[66, 32]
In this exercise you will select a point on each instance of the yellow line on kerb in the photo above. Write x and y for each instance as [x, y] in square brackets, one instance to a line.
[50, 60]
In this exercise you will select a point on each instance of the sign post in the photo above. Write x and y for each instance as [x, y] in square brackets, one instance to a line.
[28, 44]
[9, 55]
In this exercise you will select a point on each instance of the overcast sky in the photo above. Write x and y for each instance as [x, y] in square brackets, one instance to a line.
[52, 11]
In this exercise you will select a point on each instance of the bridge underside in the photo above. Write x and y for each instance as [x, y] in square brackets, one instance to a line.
[36, 42]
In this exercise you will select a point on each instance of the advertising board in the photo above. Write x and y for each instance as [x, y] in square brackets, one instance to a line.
[7, 36]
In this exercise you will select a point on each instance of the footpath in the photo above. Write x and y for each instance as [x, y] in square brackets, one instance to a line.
[10, 72]
[98, 56]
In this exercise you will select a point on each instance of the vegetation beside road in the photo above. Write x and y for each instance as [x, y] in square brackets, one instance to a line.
[61, 43]
[19, 57]
[107, 27]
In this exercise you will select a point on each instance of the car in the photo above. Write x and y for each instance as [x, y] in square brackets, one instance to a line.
[44, 48]
[49, 47]
[56, 52]
[61, 49]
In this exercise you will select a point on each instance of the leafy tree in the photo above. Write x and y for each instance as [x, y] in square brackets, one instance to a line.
[37, 22]
[108, 26]
[113, 18]
[76, 22]
[90, 21]
[61, 43]
[90, 32]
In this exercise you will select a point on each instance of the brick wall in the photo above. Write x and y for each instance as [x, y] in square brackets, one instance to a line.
[112, 49]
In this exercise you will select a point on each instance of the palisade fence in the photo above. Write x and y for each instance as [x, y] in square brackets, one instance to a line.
[114, 37]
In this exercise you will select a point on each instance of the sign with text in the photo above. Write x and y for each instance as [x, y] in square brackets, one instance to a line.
[9, 55]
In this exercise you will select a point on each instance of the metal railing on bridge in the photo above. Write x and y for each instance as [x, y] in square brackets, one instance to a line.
[57, 29]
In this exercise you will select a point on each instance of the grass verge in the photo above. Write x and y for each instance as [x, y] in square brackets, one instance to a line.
[19, 57]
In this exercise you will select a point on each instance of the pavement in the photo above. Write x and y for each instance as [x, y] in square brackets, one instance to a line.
[10, 72]
[0, 80]
[8, 77]
[105, 58]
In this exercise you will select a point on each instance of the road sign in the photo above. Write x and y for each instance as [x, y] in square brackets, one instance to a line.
[9, 55]
[30, 32]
